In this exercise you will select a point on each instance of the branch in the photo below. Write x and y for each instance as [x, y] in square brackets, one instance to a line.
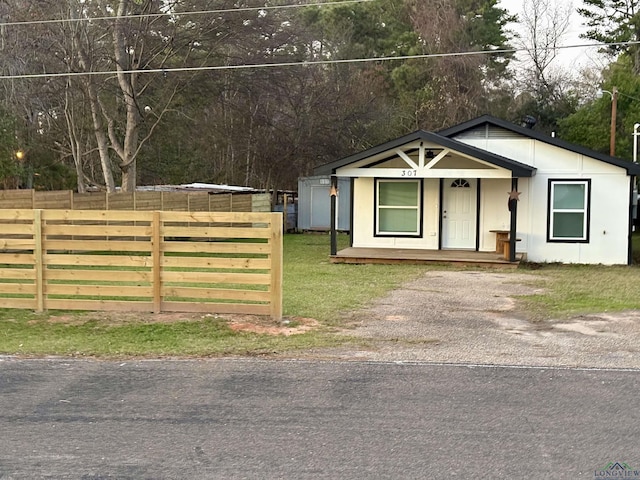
[152, 129]
[113, 138]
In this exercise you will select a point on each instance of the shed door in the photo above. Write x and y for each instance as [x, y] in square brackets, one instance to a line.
[320, 207]
[459, 214]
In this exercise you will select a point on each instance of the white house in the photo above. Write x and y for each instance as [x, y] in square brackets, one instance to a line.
[485, 183]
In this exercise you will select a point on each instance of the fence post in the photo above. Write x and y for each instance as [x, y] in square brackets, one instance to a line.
[276, 266]
[156, 259]
[285, 213]
[38, 259]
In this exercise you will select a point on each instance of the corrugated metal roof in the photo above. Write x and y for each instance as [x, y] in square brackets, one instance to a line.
[200, 187]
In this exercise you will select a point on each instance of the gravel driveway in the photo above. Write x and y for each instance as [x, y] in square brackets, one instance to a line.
[472, 317]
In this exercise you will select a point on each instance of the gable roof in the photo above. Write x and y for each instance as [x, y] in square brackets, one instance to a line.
[488, 120]
[518, 169]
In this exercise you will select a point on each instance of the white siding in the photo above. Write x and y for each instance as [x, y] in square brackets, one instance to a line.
[519, 149]
[609, 220]
[363, 218]
[494, 212]
[609, 213]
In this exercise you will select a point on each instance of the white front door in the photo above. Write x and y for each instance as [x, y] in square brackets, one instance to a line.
[459, 213]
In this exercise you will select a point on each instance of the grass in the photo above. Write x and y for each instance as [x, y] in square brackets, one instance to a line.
[31, 334]
[635, 247]
[313, 288]
[581, 289]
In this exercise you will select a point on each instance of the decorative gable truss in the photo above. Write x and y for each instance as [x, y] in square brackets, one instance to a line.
[423, 160]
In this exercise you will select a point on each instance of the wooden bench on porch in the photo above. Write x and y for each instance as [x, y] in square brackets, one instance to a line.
[502, 242]
[505, 247]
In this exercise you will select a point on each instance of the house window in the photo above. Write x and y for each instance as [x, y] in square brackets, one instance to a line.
[569, 210]
[460, 183]
[398, 207]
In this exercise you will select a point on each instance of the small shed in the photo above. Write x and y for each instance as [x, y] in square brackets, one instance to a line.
[286, 202]
[314, 203]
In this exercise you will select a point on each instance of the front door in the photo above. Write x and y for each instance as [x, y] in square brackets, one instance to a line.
[459, 213]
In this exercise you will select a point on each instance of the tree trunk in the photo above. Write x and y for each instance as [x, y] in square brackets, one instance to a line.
[126, 81]
[101, 138]
[74, 142]
[96, 116]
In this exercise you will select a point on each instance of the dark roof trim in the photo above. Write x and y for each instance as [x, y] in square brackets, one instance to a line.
[518, 169]
[630, 167]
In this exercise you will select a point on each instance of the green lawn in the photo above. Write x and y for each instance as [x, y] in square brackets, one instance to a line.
[313, 288]
[579, 289]
[635, 245]
[30, 334]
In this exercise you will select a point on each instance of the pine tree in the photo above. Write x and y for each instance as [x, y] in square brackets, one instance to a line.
[614, 22]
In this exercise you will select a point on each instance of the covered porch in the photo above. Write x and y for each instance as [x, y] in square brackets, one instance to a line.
[425, 198]
[463, 258]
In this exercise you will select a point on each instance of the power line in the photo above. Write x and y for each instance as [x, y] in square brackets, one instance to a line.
[304, 63]
[628, 96]
[255, 65]
[166, 14]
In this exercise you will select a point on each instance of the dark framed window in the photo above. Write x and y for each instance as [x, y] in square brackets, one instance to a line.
[398, 207]
[569, 203]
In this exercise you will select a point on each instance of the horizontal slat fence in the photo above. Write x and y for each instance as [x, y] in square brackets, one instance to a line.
[213, 262]
[143, 200]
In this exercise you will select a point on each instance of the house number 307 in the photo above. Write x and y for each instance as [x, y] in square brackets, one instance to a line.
[409, 173]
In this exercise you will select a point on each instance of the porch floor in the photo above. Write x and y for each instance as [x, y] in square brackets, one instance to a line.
[409, 255]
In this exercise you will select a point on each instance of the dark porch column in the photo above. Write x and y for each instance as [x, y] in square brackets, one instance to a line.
[513, 208]
[333, 193]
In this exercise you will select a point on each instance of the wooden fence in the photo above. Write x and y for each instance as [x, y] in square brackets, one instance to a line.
[149, 201]
[141, 261]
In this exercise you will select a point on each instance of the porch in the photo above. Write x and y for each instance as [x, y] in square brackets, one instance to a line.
[415, 256]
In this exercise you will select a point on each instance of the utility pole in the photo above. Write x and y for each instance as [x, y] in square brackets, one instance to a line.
[614, 113]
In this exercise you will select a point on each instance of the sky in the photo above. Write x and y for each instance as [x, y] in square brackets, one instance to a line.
[574, 58]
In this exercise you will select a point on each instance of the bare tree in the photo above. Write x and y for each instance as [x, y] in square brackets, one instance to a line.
[544, 23]
[133, 47]
[543, 89]
[455, 86]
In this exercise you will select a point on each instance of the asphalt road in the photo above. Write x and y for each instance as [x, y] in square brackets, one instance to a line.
[256, 419]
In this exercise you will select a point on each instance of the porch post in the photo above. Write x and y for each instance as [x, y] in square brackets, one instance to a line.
[632, 204]
[513, 208]
[333, 193]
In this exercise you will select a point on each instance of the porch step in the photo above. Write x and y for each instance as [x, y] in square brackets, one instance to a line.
[387, 256]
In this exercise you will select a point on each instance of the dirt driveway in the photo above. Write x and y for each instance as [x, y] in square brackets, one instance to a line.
[471, 317]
